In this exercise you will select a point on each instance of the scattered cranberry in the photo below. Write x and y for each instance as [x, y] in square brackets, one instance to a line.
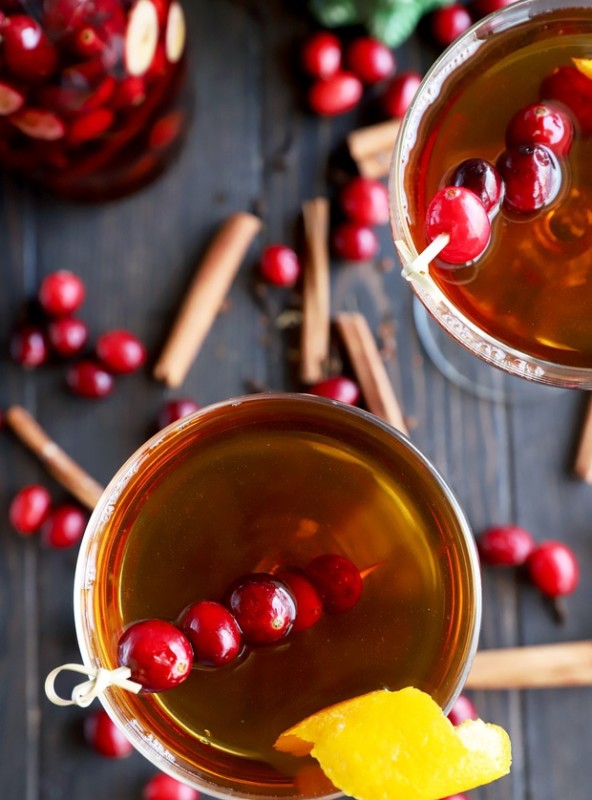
[462, 709]
[531, 175]
[61, 293]
[67, 335]
[121, 351]
[175, 410]
[309, 605]
[456, 797]
[335, 95]
[400, 92]
[64, 526]
[213, 633]
[321, 55]
[28, 346]
[163, 787]
[459, 213]
[569, 86]
[541, 123]
[337, 580]
[337, 388]
[354, 242]
[158, 654]
[505, 545]
[27, 49]
[480, 177]
[29, 508]
[370, 59]
[89, 379]
[553, 568]
[449, 22]
[482, 8]
[280, 265]
[263, 607]
[365, 201]
[103, 735]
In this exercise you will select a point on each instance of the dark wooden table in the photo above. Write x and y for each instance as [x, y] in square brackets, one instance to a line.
[253, 146]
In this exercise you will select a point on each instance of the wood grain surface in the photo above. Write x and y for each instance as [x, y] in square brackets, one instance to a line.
[253, 147]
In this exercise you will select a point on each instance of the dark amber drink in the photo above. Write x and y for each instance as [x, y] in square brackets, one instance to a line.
[524, 304]
[259, 484]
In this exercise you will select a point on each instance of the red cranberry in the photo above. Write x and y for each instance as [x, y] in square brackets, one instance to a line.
[158, 654]
[335, 95]
[571, 87]
[61, 293]
[103, 735]
[480, 177]
[213, 632]
[449, 22]
[459, 213]
[163, 787]
[321, 55]
[280, 265]
[531, 175]
[27, 49]
[554, 569]
[456, 797]
[505, 545]
[309, 605]
[175, 410]
[29, 508]
[263, 607]
[337, 580]
[370, 59]
[337, 388]
[121, 351]
[354, 242]
[481, 8]
[541, 123]
[462, 709]
[365, 201]
[64, 526]
[28, 346]
[400, 92]
[89, 379]
[67, 335]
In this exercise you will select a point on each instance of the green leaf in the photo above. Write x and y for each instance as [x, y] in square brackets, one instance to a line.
[333, 13]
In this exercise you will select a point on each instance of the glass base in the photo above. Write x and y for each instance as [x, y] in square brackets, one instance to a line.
[468, 372]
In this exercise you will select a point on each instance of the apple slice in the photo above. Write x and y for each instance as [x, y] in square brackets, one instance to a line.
[141, 37]
[11, 99]
[39, 124]
[176, 31]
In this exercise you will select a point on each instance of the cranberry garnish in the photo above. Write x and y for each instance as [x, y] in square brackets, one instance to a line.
[337, 388]
[370, 59]
[365, 201]
[531, 175]
[158, 654]
[335, 95]
[27, 49]
[459, 213]
[163, 787]
[554, 569]
[67, 335]
[121, 351]
[480, 177]
[354, 242]
[61, 293]
[321, 55]
[103, 735]
[263, 607]
[400, 92]
[64, 526]
[89, 379]
[309, 605]
[213, 632]
[481, 8]
[175, 410]
[505, 545]
[280, 265]
[463, 708]
[569, 86]
[29, 508]
[541, 123]
[449, 23]
[337, 580]
[28, 346]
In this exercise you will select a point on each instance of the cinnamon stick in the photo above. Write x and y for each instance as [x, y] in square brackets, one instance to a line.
[316, 302]
[204, 299]
[63, 468]
[372, 147]
[369, 368]
[583, 463]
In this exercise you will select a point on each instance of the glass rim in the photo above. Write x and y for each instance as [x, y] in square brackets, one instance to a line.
[456, 324]
[153, 750]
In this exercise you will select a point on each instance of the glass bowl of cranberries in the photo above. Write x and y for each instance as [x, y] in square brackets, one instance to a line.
[91, 101]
